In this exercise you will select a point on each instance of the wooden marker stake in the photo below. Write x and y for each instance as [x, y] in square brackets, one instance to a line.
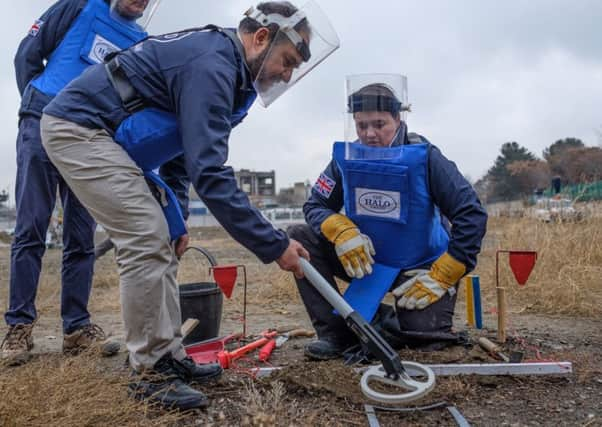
[188, 326]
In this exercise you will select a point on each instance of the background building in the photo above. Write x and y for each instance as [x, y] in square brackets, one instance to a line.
[259, 186]
[294, 196]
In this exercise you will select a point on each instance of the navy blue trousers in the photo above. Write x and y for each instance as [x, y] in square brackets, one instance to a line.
[36, 191]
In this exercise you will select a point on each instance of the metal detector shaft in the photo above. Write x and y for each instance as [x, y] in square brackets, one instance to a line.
[365, 332]
[326, 290]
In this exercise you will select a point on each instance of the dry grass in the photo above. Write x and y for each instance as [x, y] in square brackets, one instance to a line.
[263, 408]
[4, 237]
[53, 390]
[59, 391]
[269, 289]
[567, 279]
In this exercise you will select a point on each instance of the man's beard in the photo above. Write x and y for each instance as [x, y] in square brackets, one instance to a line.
[130, 14]
[256, 64]
[262, 81]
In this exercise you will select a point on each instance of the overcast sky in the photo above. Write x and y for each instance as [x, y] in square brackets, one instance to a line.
[480, 73]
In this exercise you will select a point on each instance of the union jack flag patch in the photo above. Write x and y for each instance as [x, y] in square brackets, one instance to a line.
[35, 28]
[324, 185]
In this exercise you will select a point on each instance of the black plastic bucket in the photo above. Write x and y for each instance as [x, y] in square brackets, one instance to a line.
[203, 301]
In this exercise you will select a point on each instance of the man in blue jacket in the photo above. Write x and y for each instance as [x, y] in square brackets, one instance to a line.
[68, 38]
[393, 187]
[181, 94]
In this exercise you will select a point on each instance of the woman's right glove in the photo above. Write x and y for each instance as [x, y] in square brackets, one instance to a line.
[354, 249]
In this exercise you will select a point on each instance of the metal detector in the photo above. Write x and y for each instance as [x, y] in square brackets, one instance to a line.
[392, 371]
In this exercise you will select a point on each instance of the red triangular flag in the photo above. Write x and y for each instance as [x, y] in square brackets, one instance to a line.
[225, 277]
[522, 264]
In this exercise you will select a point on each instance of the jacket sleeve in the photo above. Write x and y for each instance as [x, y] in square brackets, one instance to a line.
[174, 174]
[203, 93]
[458, 201]
[325, 200]
[43, 38]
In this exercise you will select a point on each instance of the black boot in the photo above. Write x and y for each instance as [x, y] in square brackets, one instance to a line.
[326, 349]
[191, 372]
[164, 387]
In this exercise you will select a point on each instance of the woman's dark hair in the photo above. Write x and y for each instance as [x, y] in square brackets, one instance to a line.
[374, 97]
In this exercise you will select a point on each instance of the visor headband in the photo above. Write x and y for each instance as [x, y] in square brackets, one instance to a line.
[286, 25]
[373, 103]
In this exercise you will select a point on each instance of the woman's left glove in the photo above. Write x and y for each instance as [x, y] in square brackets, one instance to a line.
[428, 286]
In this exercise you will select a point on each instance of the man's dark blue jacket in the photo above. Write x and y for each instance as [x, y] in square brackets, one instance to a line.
[201, 77]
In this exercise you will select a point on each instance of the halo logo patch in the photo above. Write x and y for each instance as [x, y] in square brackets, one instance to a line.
[101, 47]
[379, 203]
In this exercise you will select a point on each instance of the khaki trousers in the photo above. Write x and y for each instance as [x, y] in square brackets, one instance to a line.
[113, 189]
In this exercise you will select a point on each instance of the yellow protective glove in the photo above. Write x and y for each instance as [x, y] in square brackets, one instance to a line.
[428, 286]
[354, 249]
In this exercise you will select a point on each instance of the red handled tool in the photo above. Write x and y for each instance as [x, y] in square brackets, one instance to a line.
[225, 358]
[266, 350]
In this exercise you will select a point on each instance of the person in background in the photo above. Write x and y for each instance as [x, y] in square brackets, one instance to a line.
[68, 38]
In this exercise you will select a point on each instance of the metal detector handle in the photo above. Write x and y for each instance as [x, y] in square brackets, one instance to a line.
[365, 332]
[203, 251]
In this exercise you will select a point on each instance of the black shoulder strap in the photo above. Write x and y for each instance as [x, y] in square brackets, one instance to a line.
[209, 27]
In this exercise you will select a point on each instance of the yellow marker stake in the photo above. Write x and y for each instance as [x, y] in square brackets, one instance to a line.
[469, 301]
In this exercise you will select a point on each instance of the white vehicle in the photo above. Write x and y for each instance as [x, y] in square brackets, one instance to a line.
[557, 210]
[280, 217]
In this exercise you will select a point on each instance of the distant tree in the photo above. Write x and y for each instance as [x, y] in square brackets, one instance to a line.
[583, 164]
[572, 161]
[503, 185]
[482, 187]
[562, 145]
[530, 175]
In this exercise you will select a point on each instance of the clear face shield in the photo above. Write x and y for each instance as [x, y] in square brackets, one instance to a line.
[377, 106]
[303, 41]
[134, 12]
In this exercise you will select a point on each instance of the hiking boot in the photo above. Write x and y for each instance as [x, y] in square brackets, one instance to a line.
[164, 387]
[17, 344]
[191, 372]
[324, 349]
[89, 336]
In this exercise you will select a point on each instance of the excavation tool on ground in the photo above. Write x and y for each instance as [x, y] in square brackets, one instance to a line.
[266, 350]
[492, 348]
[227, 358]
[392, 372]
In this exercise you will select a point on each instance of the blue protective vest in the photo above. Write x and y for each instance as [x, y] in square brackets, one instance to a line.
[93, 35]
[151, 137]
[388, 199]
